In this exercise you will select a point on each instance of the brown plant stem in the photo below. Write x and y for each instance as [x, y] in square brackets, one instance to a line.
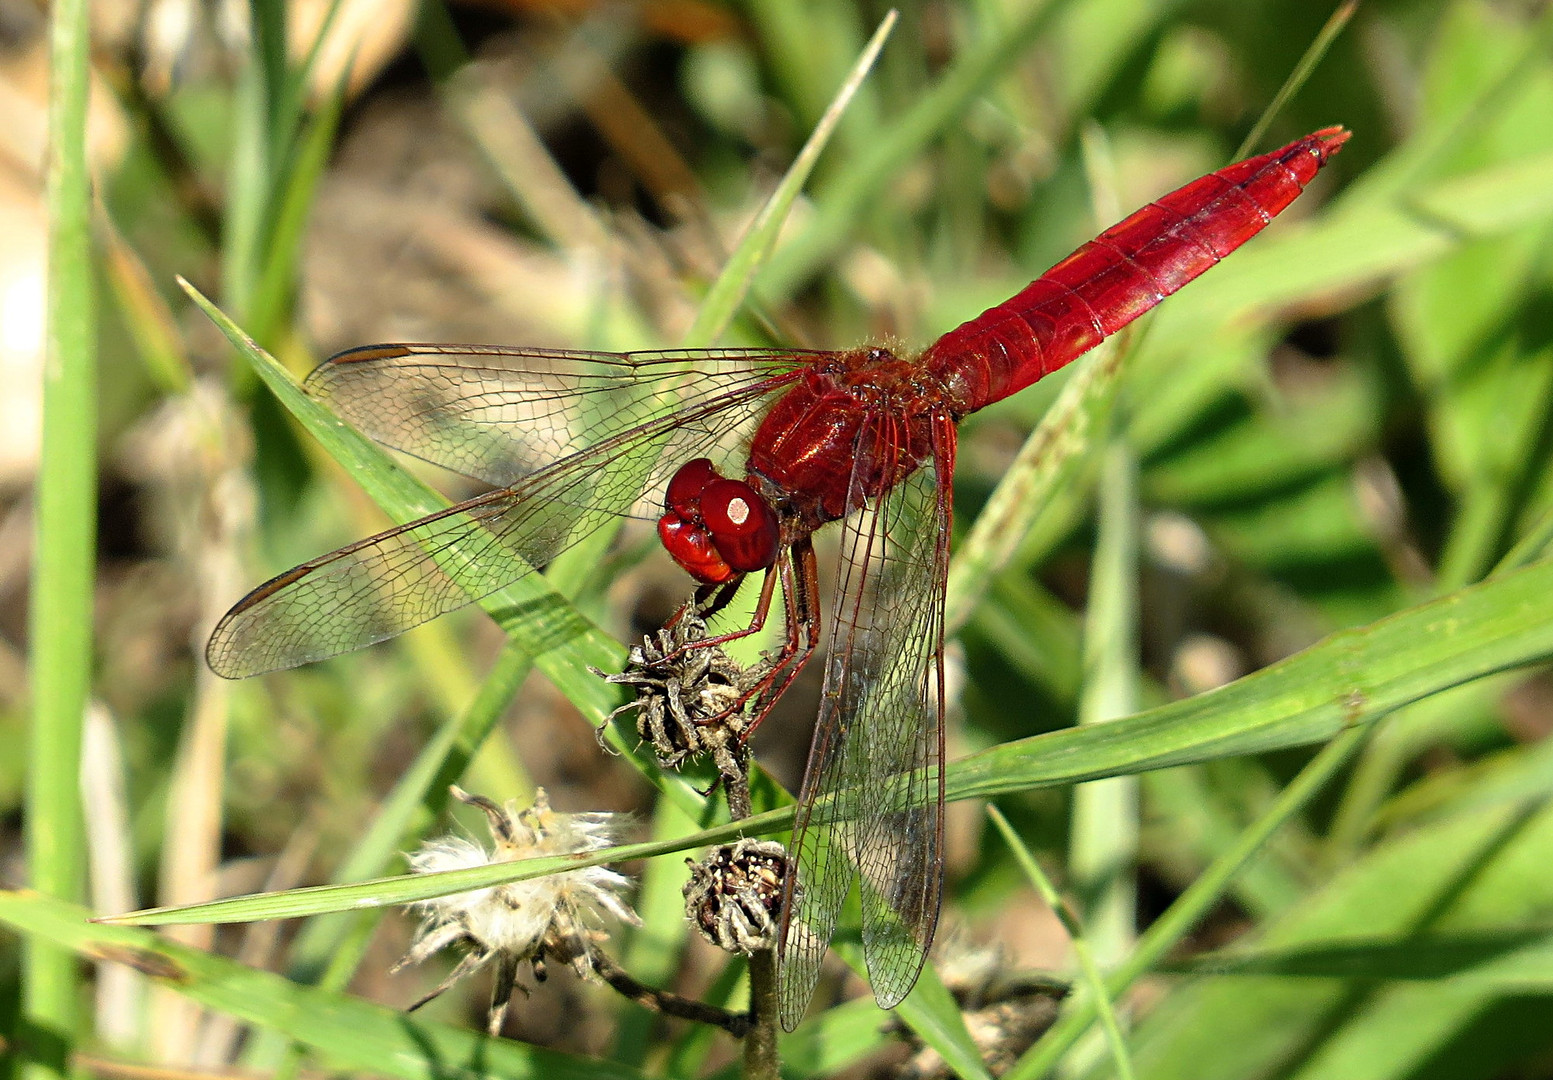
[669, 1004]
[760, 1044]
[737, 787]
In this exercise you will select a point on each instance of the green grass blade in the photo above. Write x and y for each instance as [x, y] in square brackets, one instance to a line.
[1535, 545]
[1103, 844]
[152, 326]
[298, 81]
[806, 45]
[1203, 819]
[733, 284]
[267, 20]
[1093, 980]
[64, 549]
[279, 273]
[834, 1040]
[393, 891]
[1192, 905]
[1510, 959]
[1334, 25]
[518, 156]
[842, 203]
[934, 1017]
[247, 194]
[1350, 678]
[1046, 464]
[1471, 890]
[346, 1033]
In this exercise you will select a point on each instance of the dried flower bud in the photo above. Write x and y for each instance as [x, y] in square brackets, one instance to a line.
[559, 915]
[734, 896]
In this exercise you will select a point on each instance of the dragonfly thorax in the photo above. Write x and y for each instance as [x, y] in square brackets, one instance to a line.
[848, 431]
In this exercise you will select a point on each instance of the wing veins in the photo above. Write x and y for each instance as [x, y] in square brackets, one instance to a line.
[886, 645]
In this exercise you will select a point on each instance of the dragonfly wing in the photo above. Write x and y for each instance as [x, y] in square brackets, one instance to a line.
[500, 413]
[370, 590]
[577, 439]
[382, 586]
[872, 801]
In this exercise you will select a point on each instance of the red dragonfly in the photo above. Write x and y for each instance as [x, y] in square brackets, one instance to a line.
[753, 450]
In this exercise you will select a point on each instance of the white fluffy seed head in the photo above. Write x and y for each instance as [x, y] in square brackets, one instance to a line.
[560, 914]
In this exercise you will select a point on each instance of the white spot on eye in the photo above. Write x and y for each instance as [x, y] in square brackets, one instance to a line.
[738, 511]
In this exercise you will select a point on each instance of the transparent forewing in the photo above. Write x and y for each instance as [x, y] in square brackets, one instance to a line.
[382, 586]
[499, 413]
[872, 800]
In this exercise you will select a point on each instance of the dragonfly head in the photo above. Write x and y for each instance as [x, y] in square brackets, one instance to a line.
[714, 527]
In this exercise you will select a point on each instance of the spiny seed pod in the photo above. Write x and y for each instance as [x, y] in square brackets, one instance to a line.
[689, 696]
[734, 896]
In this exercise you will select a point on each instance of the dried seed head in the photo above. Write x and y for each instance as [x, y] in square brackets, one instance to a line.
[560, 916]
[734, 896]
[689, 696]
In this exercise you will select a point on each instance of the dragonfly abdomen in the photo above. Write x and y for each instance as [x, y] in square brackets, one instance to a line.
[1121, 274]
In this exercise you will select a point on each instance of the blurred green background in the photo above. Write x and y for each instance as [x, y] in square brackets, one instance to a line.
[1349, 419]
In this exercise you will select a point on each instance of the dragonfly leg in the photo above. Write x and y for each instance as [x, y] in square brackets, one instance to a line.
[800, 596]
[799, 574]
[708, 600]
[720, 599]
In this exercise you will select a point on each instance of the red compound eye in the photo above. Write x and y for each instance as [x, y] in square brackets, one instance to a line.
[715, 527]
[742, 525]
[691, 546]
[685, 488]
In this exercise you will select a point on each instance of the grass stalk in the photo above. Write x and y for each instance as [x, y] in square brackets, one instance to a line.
[60, 620]
[733, 284]
[1045, 464]
[1319, 46]
[839, 207]
[1103, 847]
